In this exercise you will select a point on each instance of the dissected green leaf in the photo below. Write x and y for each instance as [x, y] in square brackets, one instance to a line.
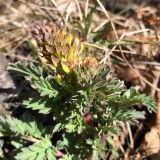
[30, 126]
[148, 102]
[48, 87]
[27, 69]
[41, 150]
[67, 157]
[43, 105]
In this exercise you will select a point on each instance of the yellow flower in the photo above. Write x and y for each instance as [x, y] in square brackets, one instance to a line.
[57, 49]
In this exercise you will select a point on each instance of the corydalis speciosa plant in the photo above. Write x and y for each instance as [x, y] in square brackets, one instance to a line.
[82, 104]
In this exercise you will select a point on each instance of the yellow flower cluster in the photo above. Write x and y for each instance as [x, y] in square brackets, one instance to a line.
[58, 49]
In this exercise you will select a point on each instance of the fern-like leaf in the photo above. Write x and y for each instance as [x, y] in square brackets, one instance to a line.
[29, 127]
[43, 105]
[134, 97]
[42, 150]
[47, 87]
[27, 69]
